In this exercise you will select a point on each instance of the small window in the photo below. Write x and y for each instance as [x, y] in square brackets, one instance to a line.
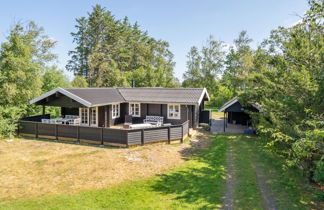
[135, 109]
[174, 111]
[93, 114]
[115, 110]
[84, 115]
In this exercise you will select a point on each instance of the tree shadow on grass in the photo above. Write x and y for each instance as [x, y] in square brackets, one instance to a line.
[202, 181]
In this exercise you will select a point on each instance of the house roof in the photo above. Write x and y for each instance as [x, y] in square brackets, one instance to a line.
[97, 96]
[165, 95]
[233, 101]
[102, 96]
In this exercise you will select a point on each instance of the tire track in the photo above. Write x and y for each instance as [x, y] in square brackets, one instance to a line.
[228, 203]
[268, 200]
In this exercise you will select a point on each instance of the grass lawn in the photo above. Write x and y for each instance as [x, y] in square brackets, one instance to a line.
[215, 113]
[199, 183]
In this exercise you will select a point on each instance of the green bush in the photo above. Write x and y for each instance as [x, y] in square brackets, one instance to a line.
[8, 117]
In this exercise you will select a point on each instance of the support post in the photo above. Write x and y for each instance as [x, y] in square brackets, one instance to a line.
[78, 134]
[36, 130]
[106, 116]
[56, 131]
[224, 121]
[169, 135]
[142, 137]
[181, 140]
[101, 130]
[227, 118]
[43, 110]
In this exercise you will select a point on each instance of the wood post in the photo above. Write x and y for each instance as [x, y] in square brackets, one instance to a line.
[36, 130]
[181, 140]
[224, 121]
[101, 136]
[169, 135]
[106, 116]
[43, 110]
[56, 131]
[78, 134]
[142, 137]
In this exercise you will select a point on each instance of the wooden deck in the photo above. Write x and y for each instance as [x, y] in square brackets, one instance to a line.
[117, 135]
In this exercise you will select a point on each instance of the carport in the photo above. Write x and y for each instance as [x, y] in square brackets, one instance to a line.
[235, 113]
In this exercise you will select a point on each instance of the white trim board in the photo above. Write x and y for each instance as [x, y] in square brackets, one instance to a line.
[228, 104]
[202, 96]
[64, 92]
[233, 101]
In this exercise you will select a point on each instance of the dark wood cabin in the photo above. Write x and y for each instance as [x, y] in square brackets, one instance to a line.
[106, 107]
[235, 113]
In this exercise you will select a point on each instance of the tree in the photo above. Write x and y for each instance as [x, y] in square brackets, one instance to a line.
[287, 81]
[238, 63]
[113, 52]
[54, 78]
[23, 56]
[79, 82]
[22, 59]
[204, 67]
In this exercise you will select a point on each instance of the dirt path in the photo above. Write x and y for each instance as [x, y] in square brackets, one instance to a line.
[267, 197]
[261, 180]
[230, 180]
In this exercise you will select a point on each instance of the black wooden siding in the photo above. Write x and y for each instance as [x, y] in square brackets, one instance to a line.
[176, 133]
[158, 134]
[134, 137]
[67, 131]
[46, 129]
[159, 110]
[105, 135]
[114, 136]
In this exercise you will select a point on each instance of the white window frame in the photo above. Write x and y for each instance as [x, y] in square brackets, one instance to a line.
[132, 112]
[90, 118]
[115, 113]
[87, 116]
[173, 111]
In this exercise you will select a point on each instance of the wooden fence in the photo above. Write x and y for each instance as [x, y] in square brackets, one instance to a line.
[105, 136]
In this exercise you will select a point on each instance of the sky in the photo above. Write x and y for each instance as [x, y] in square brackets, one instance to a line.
[182, 23]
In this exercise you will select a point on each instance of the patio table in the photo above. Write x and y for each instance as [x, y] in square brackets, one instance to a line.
[60, 120]
[142, 125]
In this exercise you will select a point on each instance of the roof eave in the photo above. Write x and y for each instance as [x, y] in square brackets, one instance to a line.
[64, 92]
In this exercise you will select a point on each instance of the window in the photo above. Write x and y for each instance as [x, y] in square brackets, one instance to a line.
[174, 111]
[115, 110]
[84, 115]
[135, 109]
[93, 118]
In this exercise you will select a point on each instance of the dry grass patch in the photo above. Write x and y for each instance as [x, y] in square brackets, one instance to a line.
[33, 168]
[217, 115]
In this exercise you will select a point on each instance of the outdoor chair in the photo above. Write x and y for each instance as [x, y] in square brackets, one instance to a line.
[154, 120]
[128, 121]
[71, 116]
[75, 121]
[45, 120]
